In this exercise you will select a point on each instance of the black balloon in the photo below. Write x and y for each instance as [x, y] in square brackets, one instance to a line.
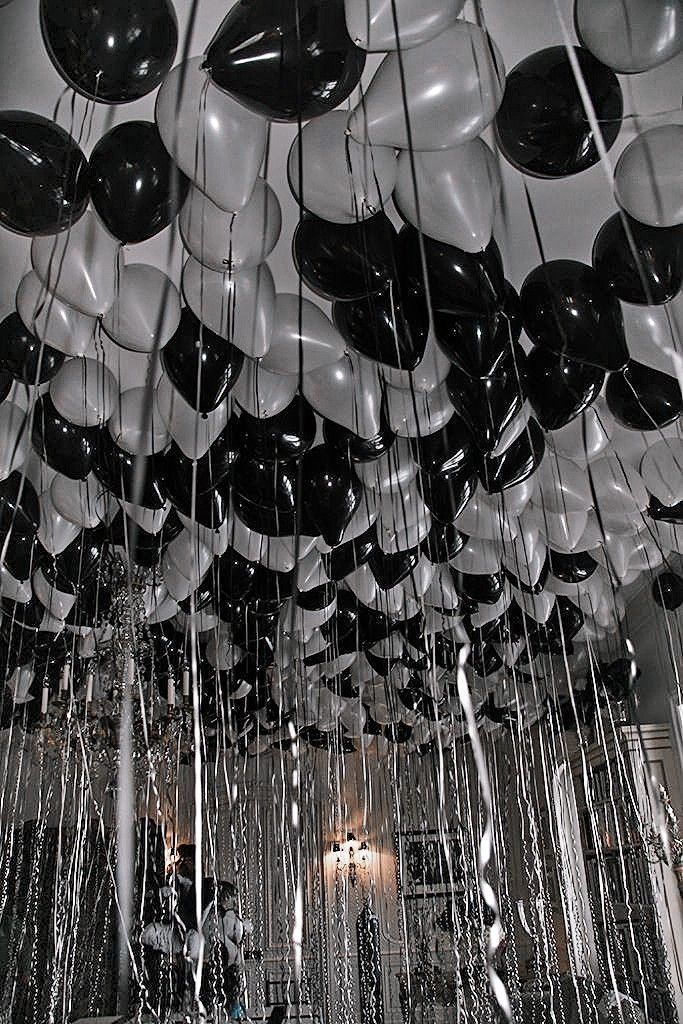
[77, 562]
[642, 398]
[235, 577]
[489, 406]
[446, 450]
[519, 460]
[567, 309]
[145, 548]
[383, 328]
[542, 125]
[267, 494]
[651, 275]
[446, 494]
[110, 52]
[178, 473]
[135, 187]
[117, 469]
[24, 356]
[389, 570]
[573, 568]
[345, 261]
[476, 343]
[359, 449]
[286, 435]
[529, 588]
[331, 492]
[18, 504]
[286, 61]
[202, 366]
[442, 543]
[667, 591]
[484, 588]
[43, 175]
[665, 513]
[65, 447]
[619, 678]
[560, 388]
[349, 556]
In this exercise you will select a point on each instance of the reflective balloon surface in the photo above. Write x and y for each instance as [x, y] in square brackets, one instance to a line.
[559, 389]
[652, 274]
[202, 366]
[642, 398]
[23, 355]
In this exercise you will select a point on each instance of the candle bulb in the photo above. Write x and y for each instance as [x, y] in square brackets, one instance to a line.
[186, 682]
[65, 677]
[44, 700]
[171, 693]
[89, 683]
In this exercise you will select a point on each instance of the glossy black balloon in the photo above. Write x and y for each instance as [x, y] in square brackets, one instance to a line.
[542, 126]
[286, 435]
[567, 309]
[177, 472]
[145, 548]
[476, 343]
[489, 406]
[202, 366]
[43, 175]
[317, 597]
[463, 283]
[667, 591]
[117, 469]
[359, 449]
[642, 398]
[331, 492]
[19, 522]
[110, 52]
[234, 576]
[446, 494]
[650, 276]
[519, 460]
[572, 568]
[558, 388]
[74, 566]
[135, 187]
[665, 513]
[349, 556]
[442, 543]
[484, 659]
[345, 261]
[484, 588]
[286, 61]
[618, 678]
[449, 449]
[69, 449]
[273, 487]
[563, 623]
[24, 555]
[528, 588]
[24, 356]
[389, 570]
[384, 328]
[6, 382]
[267, 519]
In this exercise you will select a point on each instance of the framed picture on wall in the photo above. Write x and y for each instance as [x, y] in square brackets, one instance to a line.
[431, 861]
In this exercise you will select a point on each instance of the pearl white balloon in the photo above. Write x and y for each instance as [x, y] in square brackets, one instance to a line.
[362, 583]
[55, 532]
[485, 521]
[84, 392]
[146, 311]
[57, 602]
[393, 471]
[404, 521]
[662, 470]
[619, 488]
[151, 520]
[562, 530]
[478, 557]
[585, 437]
[537, 606]
[83, 502]
[525, 556]
[239, 307]
[53, 321]
[647, 179]
[372, 24]
[194, 433]
[628, 35]
[429, 373]
[414, 414]
[348, 393]
[263, 393]
[79, 265]
[231, 241]
[563, 486]
[132, 429]
[15, 590]
[301, 333]
[651, 332]
[15, 441]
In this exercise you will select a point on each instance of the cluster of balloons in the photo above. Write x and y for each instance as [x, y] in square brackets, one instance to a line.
[335, 505]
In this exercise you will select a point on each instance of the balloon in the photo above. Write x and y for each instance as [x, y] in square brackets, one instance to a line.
[448, 88]
[642, 398]
[665, 513]
[394, 470]
[43, 175]
[412, 413]
[429, 374]
[647, 182]
[84, 502]
[447, 449]
[562, 530]
[286, 63]
[23, 355]
[516, 463]
[443, 542]
[348, 393]
[629, 36]
[667, 591]
[303, 338]
[585, 437]
[232, 241]
[201, 366]
[79, 266]
[458, 191]
[567, 309]
[339, 180]
[117, 470]
[404, 521]
[133, 428]
[485, 521]
[559, 389]
[84, 392]
[14, 438]
[108, 53]
[345, 261]
[239, 307]
[285, 435]
[571, 568]
[447, 493]
[650, 276]
[194, 434]
[542, 127]
[261, 393]
[620, 490]
[331, 492]
[652, 333]
[358, 449]
[199, 124]
[66, 447]
[146, 311]
[564, 487]
[662, 470]
[373, 26]
[267, 495]
[350, 555]
[382, 327]
[135, 187]
[52, 321]
[490, 405]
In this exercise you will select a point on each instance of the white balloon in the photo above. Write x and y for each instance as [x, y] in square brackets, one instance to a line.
[647, 178]
[84, 392]
[362, 583]
[79, 265]
[563, 486]
[585, 437]
[310, 572]
[83, 502]
[53, 321]
[662, 470]
[58, 603]
[151, 520]
[193, 432]
[221, 652]
[15, 590]
[525, 556]
[15, 441]
[392, 471]
[146, 311]
[537, 606]
[478, 557]
[562, 530]
[441, 592]
[301, 334]
[422, 412]
[239, 307]
[651, 333]
[55, 531]
[348, 393]
[372, 24]
[263, 393]
[404, 521]
[482, 519]
[361, 521]
[130, 427]
[429, 373]
[620, 490]
[216, 538]
[231, 241]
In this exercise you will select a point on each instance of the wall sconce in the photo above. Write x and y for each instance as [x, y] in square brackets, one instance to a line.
[351, 855]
